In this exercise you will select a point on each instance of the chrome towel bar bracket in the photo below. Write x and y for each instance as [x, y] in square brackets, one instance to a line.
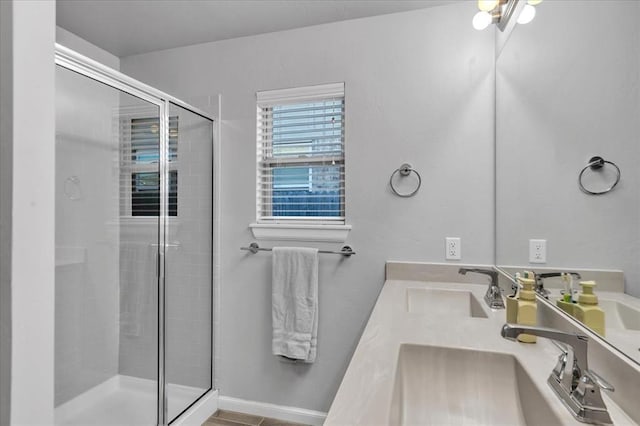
[345, 251]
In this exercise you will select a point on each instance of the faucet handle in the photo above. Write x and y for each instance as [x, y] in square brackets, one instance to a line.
[589, 374]
[563, 358]
[587, 394]
[599, 381]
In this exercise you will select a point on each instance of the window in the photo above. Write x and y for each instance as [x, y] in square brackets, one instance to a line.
[139, 158]
[300, 165]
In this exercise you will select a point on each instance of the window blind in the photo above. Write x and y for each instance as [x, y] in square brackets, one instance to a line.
[139, 166]
[300, 156]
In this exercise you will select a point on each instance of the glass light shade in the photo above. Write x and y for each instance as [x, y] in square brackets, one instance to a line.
[534, 2]
[481, 20]
[527, 14]
[487, 5]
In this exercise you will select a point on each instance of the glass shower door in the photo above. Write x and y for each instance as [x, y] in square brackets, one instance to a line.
[188, 260]
[107, 236]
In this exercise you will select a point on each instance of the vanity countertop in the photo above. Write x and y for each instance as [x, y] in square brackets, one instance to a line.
[625, 337]
[365, 394]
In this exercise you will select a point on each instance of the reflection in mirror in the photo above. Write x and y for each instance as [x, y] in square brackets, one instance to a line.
[567, 90]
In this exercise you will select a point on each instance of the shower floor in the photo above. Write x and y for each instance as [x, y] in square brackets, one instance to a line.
[124, 400]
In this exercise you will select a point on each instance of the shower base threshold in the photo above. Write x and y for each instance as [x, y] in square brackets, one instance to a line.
[123, 400]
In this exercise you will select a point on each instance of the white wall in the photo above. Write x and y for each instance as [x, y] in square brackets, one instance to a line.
[6, 181]
[30, 86]
[568, 88]
[419, 88]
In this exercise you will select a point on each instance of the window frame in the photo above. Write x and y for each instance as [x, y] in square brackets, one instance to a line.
[265, 101]
[127, 168]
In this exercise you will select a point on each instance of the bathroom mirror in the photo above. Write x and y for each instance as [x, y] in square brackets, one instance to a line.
[567, 90]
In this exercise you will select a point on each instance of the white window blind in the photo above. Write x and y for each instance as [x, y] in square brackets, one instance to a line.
[139, 166]
[300, 157]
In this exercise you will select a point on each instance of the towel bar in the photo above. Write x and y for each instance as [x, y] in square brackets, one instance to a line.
[345, 251]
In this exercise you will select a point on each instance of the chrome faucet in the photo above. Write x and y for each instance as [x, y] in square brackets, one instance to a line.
[540, 281]
[573, 382]
[493, 297]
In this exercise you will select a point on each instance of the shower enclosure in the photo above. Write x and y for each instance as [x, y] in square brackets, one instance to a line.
[134, 234]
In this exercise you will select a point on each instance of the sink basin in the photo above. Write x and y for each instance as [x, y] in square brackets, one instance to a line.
[450, 386]
[441, 302]
[620, 315]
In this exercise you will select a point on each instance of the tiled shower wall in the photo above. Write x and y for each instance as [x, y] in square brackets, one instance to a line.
[188, 269]
[106, 285]
[86, 290]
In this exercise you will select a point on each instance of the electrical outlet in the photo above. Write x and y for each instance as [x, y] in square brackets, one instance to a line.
[537, 251]
[453, 249]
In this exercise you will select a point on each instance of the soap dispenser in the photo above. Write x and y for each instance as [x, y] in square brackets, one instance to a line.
[527, 307]
[587, 310]
[566, 302]
[512, 301]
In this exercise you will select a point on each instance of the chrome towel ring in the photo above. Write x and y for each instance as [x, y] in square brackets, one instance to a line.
[72, 188]
[595, 164]
[405, 170]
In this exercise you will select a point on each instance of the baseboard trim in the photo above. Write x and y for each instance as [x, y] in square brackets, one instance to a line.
[280, 412]
[199, 412]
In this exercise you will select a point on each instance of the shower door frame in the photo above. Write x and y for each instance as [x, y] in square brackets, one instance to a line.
[94, 70]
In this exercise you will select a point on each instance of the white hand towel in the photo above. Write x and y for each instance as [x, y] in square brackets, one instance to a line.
[295, 302]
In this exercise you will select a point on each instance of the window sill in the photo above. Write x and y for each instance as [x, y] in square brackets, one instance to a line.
[299, 232]
[140, 221]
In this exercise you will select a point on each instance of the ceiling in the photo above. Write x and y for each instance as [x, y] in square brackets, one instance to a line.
[129, 27]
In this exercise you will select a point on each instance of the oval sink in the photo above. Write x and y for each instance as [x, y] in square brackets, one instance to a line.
[450, 386]
[444, 302]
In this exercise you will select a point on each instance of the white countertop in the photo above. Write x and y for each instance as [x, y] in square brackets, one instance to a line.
[364, 396]
[627, 341]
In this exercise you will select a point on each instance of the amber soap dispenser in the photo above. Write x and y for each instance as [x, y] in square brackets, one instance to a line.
[587, 310]
[527, 309]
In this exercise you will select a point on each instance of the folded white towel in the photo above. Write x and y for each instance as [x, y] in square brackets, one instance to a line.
[295, 302]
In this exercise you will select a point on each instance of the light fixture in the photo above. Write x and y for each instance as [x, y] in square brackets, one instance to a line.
[493, 11]
[527, 14]
[482, 20]
[487, 5]
[500, 11]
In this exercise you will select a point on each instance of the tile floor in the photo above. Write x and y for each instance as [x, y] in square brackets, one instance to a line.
[231, 418]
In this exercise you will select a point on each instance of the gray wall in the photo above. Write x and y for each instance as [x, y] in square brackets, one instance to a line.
[27, 89]
[6, 169]
[568, 88]
[418, 89]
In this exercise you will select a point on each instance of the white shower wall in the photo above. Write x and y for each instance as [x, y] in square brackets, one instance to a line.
[87, 255]
[188, 270]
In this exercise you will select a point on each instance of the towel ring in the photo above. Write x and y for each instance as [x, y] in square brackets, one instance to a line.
[72, 188]
[405, 170]
[595, 164]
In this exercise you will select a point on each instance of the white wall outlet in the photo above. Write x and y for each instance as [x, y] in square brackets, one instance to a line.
[453, 249]
[537, 251]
